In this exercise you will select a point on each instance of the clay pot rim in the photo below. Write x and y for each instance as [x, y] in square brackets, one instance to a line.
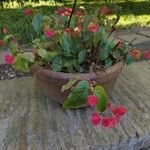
[110, 73]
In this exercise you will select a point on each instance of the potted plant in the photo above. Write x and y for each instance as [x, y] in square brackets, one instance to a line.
[74, 61]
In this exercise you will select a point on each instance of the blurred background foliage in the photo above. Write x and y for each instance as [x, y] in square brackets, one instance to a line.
[133, 13]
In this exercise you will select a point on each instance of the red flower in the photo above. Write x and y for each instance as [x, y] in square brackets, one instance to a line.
[60, 11]
[68, 11]
[105, 122]
[28, 11]
[72, 32]
[109, 122]
[93, 27]
[64, 11]
[1, 43]
[49, 33]
[136, 54]
[113, 121]
[119, 111]
[9, 59]
[79, 14]
[146, 55]
[92, 100]
[105, 11]
[120, 44]
[68, 30]
[95, 119]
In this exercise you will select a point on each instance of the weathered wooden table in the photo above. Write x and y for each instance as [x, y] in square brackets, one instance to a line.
[28, 121]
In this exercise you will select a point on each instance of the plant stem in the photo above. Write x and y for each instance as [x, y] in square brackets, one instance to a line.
[74, 5]
[113, 27]
[83, 39]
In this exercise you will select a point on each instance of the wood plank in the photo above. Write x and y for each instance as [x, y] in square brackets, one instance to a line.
[29, 121]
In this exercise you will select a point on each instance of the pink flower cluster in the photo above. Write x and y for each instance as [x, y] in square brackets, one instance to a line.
[93, 27]
[9, 59]
[70, 32]
[64, 11]
[105, 10]
[107, 122]
[146, 55]
[73, 32]
[79, 14]
[49, 33]
[120, 44]
[138, 54]
[28, 11]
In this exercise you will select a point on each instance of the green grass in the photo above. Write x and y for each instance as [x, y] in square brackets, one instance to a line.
[133, 13]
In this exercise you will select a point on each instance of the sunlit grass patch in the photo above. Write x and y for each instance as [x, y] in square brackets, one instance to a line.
[127, 21]
[133, 13]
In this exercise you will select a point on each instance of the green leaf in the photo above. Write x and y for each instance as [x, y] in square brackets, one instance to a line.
[129, 59]
[47, 20]
[81, 56]
[104, 50]
[102, 98]
[87, 35]
[98, 35]
[51, 55]
[69, 66]
[65, 43]
[71, 82]
[57, 64]
[7, 37]
[43, 38]
[21, 64]
[100, 89]
[37, 22]
[83, 85]
[27, 56]
[43, 53]
[104, 53]
[37, 43]
[14, 49]
[56, 67]
[126, 48]
[116, 53]
[73, 22]
[77, 98]
[108, 62]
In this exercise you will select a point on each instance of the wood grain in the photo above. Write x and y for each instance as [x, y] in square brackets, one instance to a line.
[29, 121]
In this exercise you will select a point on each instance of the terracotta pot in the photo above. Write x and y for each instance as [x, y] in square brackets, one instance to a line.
[50, 82]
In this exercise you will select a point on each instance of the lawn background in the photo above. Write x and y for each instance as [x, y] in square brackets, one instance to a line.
[133, 13]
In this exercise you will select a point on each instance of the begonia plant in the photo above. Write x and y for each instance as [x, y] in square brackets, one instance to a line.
[72, 40]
